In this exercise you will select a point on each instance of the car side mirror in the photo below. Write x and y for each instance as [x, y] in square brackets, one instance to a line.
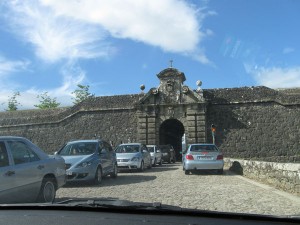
[158, 151]
[55, 153]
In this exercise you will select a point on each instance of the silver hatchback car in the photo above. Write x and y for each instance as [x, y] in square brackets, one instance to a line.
[133, 156]
[203, 157]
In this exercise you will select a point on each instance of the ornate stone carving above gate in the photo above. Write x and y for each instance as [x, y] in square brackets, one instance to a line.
[172, 100]
[171, 90]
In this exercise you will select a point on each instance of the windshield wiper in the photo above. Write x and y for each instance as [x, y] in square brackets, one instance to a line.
[117, 204]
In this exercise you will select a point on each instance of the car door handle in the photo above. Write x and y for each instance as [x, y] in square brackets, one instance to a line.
[10, 173]
[41, 167]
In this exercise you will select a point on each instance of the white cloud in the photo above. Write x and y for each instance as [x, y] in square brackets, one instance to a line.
[172, 25]
[55, 37]
[288, 50]
[275, 77]
[59, 29]
[72, 75]
[10, 66]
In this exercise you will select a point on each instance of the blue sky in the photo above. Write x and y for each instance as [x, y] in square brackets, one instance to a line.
[114, 46]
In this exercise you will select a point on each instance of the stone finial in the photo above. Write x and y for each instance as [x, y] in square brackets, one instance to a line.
[199, 83]
[199, 90]
[142, 87]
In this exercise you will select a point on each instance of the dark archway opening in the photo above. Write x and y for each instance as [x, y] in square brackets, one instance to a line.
[171, 132]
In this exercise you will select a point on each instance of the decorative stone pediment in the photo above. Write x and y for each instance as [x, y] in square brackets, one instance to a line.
[172, 90]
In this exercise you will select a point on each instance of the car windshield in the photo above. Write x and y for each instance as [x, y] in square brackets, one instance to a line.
[127, 149]
[88, 88]
[165, 149]
[150, 149]
[78, 149]
[200, 148]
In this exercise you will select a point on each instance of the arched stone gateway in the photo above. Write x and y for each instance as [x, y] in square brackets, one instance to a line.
[171, 110]
[171, 132]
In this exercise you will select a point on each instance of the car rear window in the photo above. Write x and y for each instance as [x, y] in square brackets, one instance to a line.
[200, 148]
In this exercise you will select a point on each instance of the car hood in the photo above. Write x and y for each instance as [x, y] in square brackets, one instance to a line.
[128, 155]
[75, 159]
[57, 157]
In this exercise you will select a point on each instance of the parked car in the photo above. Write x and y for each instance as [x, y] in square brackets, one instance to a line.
[156, 155]
[27, 173]
[203, 157]
[89, 160]
[133, 156]
[168, 153]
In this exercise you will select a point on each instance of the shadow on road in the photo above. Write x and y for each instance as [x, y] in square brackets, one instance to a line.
[122, 179]
[207, 172]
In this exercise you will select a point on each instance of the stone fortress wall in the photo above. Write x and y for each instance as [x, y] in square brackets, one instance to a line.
[253, 123]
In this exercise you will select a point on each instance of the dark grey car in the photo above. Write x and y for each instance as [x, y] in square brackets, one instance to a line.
[168, 153]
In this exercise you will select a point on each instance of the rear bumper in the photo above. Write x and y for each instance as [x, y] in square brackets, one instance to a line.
[203, 165]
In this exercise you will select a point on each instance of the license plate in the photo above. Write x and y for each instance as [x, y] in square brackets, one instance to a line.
[204, 157]
[69, 173]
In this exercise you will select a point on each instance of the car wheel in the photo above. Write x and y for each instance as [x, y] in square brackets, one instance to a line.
[142, 166]
[220, 171]
[150, 164]
[48, 191]
[161, 161]
[186, 172]
[98, 176]
[114, 174]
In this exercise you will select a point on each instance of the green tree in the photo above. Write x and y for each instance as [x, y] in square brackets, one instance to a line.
[81, 93]
[46, 102]
[12, 102]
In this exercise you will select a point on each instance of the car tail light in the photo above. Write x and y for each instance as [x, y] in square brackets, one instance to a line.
[189, 157]
[219, 157]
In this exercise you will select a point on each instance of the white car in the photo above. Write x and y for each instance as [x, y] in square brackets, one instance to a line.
[203, 157]
[156, 155]
[133, 156]
[27, 173]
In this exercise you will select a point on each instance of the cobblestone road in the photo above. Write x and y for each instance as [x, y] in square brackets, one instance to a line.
[168, 184]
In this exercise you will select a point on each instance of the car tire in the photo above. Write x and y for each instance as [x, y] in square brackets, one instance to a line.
[220, 171]
[114, 173]
[150, 164]
[98, 176]
[142, 166]
[186, 172]
[161, 161]
[47, 191]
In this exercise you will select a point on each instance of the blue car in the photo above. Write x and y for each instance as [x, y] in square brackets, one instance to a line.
[89, 160]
